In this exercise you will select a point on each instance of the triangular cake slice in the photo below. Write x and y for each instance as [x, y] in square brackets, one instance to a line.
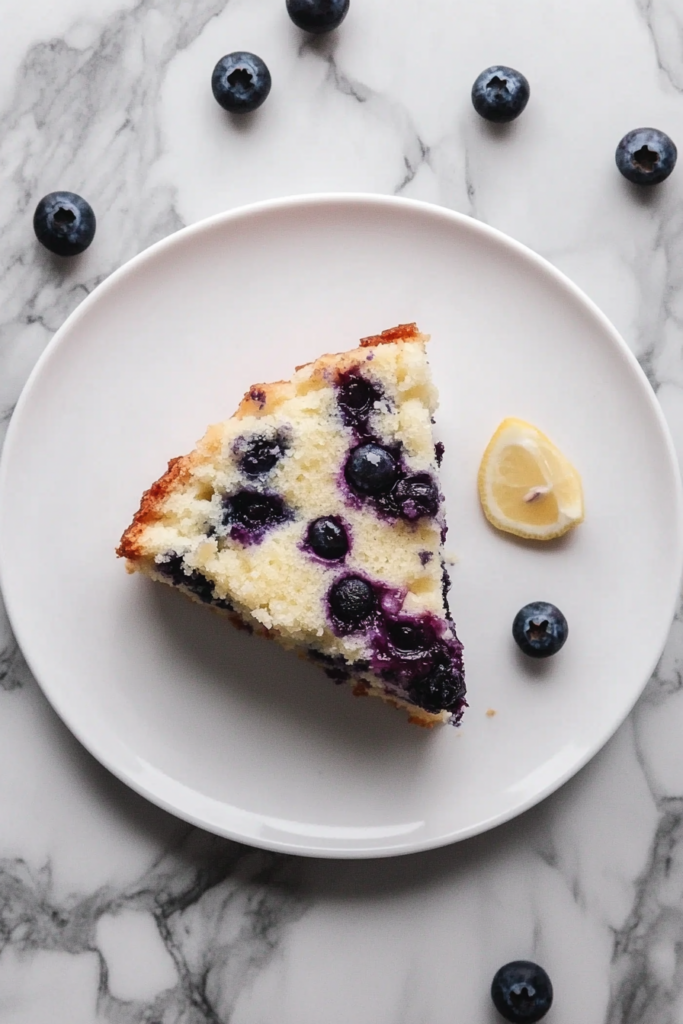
[314, 516]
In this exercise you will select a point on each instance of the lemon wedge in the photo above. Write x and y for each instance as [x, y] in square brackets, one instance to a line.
[526, 485]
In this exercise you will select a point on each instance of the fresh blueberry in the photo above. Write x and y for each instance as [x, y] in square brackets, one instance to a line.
[371, 469]
[255, 511]
[258, 455]
[417, 496]
[352, 601]
[500, 94]
[327, 538]
[317, 15]
[540, 629]
[441, 689]
[240, 82]
[64, 223]
[521, 992]
[646, 156]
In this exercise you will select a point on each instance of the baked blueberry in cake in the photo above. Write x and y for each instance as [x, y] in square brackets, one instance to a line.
[314, 516]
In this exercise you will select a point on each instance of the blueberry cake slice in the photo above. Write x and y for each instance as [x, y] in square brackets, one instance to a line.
[314, 516]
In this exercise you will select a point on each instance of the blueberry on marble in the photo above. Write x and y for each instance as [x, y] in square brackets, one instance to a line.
[258, 455]
[64, 223]
[255, 511]
[521, 992]
[646, 156]
[500, 94]
[240, 82]
[371, 469]
[417, 496]
[317, 15]
[352, 601]
[327, 538]
[441, 689]
[540, 629]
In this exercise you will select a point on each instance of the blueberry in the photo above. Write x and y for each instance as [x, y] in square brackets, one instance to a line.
[352, 601]
[442, 689]
[521, 992]
[407, 636]
[258, 455]
[327, 538]
[540, 629]
[317, 15]
[172, 566]
[255, 511]
[371, 469]
[417, 496]
[356, 397]
[240, 82]
[500, 94]
[646, 156]
[64, 223]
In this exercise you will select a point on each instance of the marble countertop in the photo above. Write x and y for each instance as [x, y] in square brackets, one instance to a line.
[112, 911]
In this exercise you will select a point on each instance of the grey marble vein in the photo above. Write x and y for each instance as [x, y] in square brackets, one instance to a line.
[100, 102]
[221, 909]
[664, 23]
[648, 950]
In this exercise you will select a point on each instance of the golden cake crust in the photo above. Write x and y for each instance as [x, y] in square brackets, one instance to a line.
[259, 400]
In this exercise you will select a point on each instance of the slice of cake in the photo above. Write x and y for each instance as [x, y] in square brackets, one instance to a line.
[314, 516]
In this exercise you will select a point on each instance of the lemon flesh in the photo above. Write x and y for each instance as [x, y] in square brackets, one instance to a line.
[526, 485]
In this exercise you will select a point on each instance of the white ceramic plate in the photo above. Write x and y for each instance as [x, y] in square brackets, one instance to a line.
[228, 731]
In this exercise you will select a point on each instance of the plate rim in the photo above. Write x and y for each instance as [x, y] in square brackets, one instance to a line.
[305, 201]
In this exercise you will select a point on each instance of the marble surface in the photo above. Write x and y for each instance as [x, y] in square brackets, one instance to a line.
[112, 911]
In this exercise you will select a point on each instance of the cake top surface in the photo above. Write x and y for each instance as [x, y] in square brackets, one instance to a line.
[315, 511]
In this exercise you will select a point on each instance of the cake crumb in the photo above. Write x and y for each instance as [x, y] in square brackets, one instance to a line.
[450, 558]
[491, 712]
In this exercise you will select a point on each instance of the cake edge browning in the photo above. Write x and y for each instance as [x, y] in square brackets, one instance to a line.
[258, 400]
[261, 400]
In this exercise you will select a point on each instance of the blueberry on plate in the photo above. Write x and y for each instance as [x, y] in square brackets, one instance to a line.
[64, 223]
[646, 156]
[521, 992]
[317, 15]
[327, 538]
[240, 82]
[540, 629]
[371, 469]
[500, 94]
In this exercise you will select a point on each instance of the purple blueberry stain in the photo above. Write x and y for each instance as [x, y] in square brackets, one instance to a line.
[173, 568]
[258, 454]
[417, 657]
[356, 398]
[439, 450]
[417, 496]
[425, 557]
[249, 514]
